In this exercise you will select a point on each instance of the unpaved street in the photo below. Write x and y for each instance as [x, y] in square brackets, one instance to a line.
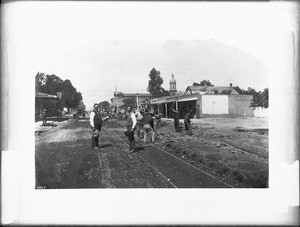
[64, 159]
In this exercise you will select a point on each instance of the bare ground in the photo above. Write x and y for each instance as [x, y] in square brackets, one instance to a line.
[235, 150]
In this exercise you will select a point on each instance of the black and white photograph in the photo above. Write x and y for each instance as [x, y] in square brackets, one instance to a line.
[172, 114]
[150, 112]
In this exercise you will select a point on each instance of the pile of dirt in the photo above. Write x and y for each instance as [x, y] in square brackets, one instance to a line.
[206, 150]
[242, 162]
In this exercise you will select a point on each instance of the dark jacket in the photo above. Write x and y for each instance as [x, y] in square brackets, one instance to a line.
[129, 122]
[148, 120]
[44, 115]
[187, 118]
[97, 120]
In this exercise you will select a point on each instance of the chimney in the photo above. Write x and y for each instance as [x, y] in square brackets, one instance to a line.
[230, 85]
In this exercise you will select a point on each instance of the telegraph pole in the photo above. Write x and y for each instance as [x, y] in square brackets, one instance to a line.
[137, 101]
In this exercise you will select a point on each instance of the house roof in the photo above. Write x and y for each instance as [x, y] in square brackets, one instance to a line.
[220, 89]
[132, 94]
[178, 98]
[45, 95]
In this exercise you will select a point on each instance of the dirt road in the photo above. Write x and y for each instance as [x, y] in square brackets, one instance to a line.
[64, 159]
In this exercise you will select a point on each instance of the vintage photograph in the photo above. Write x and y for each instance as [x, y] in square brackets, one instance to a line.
[152, 114]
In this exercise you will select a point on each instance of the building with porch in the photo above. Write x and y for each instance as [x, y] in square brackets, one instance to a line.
[206, 101]
[44, 100]
[119, 97]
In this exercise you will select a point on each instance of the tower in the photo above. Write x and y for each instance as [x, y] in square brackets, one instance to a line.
[172, 90]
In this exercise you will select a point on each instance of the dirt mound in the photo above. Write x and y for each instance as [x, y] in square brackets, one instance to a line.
[207, 150]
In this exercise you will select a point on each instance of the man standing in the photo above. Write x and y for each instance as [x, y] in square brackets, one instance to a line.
[139, 118]
[130, 124]
[176, 120]
[44, 117]
[148, 127]
[59, 114]
[187, 122]
[158, 118]
[96, 124]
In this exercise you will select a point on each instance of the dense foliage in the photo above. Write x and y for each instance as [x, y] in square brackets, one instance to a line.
[104, 105]
[81, 107]
[260, 98]
[154, 84]
[203, 83]
[51, 84]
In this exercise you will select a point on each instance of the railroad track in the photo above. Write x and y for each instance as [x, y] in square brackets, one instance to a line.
[243, 149]
[207, 175]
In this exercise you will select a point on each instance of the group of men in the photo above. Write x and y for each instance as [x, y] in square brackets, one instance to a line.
[141, 121]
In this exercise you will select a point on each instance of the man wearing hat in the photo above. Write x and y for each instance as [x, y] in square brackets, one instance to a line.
[139, 114]
[44, 117]
[130, 124]
[187, 122]
[148, 127]
[96, 124]
[176, 120]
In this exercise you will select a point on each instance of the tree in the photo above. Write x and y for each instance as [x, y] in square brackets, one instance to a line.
[81, 108]
[154, 84]
[260, 99]
[203, 83]
[265, 98]
[51, 84]
[206, 82]
[70, 95]
[40, 80]
[104, 105]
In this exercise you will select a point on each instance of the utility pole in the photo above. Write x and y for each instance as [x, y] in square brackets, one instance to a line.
[137, 101]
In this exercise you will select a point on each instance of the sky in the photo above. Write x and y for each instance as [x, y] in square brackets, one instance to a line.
[97, 68]
[101, 46]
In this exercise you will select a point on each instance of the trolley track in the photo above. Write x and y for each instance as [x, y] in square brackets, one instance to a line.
[245, 150]
[186, 164]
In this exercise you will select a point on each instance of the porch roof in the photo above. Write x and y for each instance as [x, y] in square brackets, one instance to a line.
[45, 95]
[178, 98]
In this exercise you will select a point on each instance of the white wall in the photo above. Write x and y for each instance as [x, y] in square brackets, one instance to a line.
[261, 112]
[214, 104]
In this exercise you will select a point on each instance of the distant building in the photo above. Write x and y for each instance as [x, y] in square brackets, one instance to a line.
[172, 90]
[206, 101]
[117, 100]
[211, 90]
[42, 101]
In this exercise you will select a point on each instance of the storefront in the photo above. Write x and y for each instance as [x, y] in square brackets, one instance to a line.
[205, 105]
[180, 103]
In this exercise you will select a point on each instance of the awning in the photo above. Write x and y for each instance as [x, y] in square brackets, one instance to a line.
[181, 98]
[45, 96]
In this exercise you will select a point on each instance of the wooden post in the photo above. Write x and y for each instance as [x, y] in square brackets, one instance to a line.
[176, 105]
[137, 101]
[166, 106]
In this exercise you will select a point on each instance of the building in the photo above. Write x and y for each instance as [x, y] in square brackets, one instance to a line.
[42, 101]
[206, 101]
[172, 90]
[211, 90]
[117, 100]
